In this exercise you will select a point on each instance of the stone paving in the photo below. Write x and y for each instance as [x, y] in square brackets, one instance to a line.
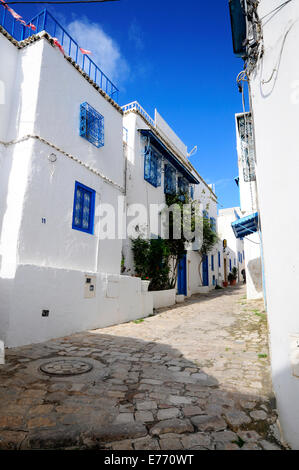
[194, 377]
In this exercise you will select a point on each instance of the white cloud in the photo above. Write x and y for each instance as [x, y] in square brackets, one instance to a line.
[105, 51]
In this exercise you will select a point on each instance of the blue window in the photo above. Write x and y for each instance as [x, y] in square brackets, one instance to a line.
[169, 180]
[212, 262]
[241, 260]
[213, 224]
[91, 125]
[152, 167]
[219, 259]
[205, 214]
[83, 212]
[192, 192]
[183, 188]
[230, 264]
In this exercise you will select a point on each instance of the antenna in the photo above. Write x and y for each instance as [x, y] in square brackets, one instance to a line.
[193, 152]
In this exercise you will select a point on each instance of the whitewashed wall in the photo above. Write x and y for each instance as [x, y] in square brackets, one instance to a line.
[275, 107]
[43, 265]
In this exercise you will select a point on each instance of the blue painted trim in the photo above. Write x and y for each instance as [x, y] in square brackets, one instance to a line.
[169, 155]
[92, 192]
[152, 167]
[91, 125]
[169, 179]
[219, 259]
[246, 225]
[182, 276]
[205, 271]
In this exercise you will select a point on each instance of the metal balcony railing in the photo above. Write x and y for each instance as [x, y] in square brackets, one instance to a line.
[44, 21]
[136, 105]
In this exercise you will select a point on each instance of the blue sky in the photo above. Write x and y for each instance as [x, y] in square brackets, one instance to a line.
[173, 55]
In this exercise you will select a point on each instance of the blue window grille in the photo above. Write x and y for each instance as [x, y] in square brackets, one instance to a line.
[219, 259]
[230, 264]
[91, 125]
[169, 180]
[213, 224]
[183, 188]
[212, 262]
[83, 212]
[152, 167]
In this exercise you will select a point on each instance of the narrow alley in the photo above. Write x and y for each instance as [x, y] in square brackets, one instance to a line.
[195, 376]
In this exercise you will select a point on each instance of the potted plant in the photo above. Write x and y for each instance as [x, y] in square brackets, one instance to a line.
[232, 277]
[225, 283]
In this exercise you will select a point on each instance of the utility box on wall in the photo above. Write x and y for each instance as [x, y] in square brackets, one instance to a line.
[89, 286]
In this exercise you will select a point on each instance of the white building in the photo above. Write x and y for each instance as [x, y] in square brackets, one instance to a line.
[248, 205]
[146, 137]
[235, 246]
[271, 28]
[61, 156]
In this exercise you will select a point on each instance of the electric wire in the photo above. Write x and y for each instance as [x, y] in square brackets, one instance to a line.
[279, 7]
[59, 2]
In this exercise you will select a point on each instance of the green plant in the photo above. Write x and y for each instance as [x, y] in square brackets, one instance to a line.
[235, 273]
[158, 259]
[151, 262]
[122, 265]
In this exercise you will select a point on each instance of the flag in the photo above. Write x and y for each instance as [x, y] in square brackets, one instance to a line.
[31, 26]
[85, 51]
[57, 43]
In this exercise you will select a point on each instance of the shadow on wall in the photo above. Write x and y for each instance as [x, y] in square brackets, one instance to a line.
[255, 273]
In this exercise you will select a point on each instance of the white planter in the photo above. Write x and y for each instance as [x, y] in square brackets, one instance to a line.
[180, 299]
[145, 286]
[203, 290]
[164, 298]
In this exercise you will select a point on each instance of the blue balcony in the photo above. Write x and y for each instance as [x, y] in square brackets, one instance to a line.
[44, 21]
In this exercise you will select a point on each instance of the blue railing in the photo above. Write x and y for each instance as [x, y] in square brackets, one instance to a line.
[136, 106]
[44, 21]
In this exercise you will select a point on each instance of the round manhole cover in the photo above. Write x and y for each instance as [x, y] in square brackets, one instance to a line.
[66, 367]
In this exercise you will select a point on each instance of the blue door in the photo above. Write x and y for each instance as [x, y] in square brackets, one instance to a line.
[205, 271]
[182, 276]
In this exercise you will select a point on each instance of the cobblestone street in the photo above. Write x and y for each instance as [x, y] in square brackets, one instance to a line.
[195, 376]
